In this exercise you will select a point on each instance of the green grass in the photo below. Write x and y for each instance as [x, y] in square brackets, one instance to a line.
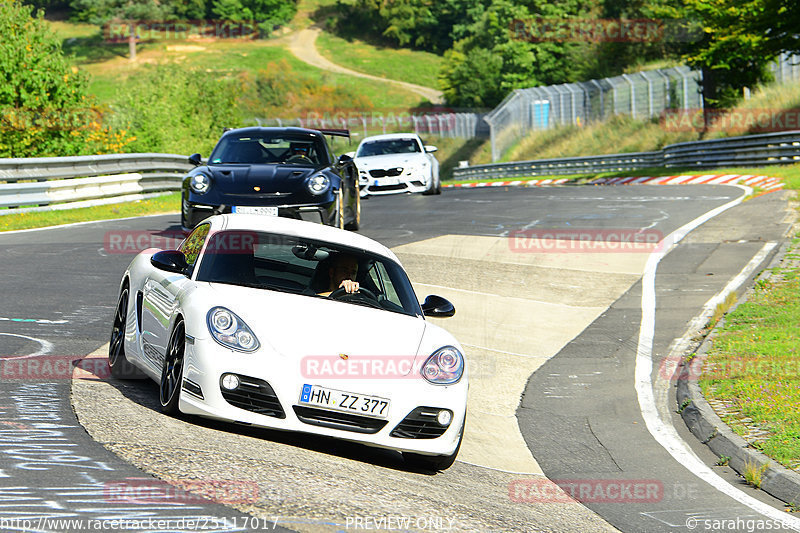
[400, 64]
[168, 203]
[108, 65]
[755, 366]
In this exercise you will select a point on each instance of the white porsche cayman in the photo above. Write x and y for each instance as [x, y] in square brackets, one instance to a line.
[245, 322]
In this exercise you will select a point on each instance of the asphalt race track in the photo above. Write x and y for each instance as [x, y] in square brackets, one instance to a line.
[552, 335]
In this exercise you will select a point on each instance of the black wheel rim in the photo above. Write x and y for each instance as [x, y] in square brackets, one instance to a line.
[117, 342]
[173, 365]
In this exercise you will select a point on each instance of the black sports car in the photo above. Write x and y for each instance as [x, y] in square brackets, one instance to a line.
[288, 172]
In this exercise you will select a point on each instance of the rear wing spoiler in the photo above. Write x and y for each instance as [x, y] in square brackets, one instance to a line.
[336, 132]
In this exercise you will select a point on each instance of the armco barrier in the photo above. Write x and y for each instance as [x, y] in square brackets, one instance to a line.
[66, 182]
[749, 150]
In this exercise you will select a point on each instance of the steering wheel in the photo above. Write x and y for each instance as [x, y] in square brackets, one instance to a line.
[299, 158]
[361, 295]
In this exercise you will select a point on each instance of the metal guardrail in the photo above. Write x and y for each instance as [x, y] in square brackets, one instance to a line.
[39, 184]
[750, 150]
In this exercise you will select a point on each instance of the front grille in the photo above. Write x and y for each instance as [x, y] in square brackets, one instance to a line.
[420, 424]
[385, 172]
[255, 395]
[398, 187]
[332, 419]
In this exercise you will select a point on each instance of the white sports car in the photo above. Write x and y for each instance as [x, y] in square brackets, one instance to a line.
[244, 322]
[395, 163]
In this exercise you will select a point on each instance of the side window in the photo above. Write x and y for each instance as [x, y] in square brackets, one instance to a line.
[381, 280]
[194, 243]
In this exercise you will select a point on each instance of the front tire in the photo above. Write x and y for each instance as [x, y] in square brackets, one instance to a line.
[431, 186]
[172, 371]
[117, 362]
[186, 214]
[356, 222]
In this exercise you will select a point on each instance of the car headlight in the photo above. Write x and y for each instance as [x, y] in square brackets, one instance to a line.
[200, 183]
[230, 331]
[318, 184]
[444, 367]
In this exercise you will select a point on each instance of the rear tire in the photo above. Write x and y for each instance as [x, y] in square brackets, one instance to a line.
[172, 371]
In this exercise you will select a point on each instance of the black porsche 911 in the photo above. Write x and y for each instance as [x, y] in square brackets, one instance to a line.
[288, 172]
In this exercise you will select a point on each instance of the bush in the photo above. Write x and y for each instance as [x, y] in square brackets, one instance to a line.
[173, 109]
[44, 106]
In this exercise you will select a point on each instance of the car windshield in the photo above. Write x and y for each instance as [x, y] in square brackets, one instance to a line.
[270, 148]
[306, 267]
[388, 146]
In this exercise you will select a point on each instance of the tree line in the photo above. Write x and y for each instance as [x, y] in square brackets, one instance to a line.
[494, 46]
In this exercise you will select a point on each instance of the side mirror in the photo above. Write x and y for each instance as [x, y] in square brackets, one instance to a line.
[430, 148]
[350, 154]
[195, 159]
[169, 260]
[344, 158]
[438, 307]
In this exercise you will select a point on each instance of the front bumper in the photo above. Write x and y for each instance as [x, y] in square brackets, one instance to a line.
[393, 185]
[278, 407]
[322, 214]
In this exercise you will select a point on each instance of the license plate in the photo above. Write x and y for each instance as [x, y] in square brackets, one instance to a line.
[256, 210]
[346, 402]
[387, 181]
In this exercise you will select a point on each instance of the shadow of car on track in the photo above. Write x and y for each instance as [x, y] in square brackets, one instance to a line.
[145, 393]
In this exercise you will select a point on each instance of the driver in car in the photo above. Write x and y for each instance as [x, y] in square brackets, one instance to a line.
[342, 274]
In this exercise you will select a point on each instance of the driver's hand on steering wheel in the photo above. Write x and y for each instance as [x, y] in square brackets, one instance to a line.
[349, 286]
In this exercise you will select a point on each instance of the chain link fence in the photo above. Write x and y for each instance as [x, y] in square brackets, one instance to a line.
[453, 125]
[641, 95]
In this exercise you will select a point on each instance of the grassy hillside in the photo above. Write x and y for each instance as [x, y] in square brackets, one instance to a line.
[408, 65]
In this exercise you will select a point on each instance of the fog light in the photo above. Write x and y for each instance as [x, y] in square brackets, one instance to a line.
[231, 382]
[444, 418]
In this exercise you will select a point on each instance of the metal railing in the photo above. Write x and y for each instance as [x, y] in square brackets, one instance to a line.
[39, 184]
[750, 150]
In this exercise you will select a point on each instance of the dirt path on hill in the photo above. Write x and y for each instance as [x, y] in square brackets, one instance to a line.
[303, 45]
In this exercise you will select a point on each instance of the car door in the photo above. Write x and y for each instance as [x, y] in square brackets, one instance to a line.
[160, 299]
